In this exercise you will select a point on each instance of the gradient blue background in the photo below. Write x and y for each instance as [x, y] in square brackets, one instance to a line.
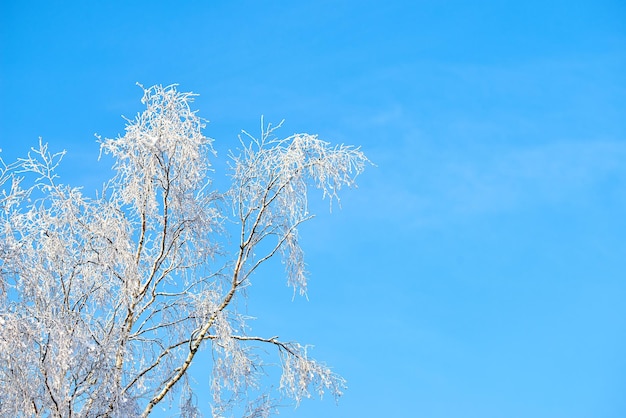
[479, 269]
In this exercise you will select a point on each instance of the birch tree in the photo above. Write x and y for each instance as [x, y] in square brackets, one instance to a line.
[107, 300]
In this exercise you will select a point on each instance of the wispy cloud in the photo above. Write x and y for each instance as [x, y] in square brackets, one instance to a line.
[432, 186]
[553, 173]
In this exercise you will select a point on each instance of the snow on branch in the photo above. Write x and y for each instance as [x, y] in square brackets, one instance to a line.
[107, 301]
[271, 177]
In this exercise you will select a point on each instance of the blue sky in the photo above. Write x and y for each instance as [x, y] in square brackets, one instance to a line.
[479, 268]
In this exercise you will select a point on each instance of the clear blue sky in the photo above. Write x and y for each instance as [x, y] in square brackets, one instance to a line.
[480, 268]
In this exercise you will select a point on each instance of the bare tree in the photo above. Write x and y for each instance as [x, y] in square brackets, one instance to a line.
[106, 301]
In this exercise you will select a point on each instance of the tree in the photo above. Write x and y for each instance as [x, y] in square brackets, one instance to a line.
[106, 301]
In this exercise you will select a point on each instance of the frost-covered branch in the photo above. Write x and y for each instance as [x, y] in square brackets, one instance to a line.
[300, 372]
[106, 301]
